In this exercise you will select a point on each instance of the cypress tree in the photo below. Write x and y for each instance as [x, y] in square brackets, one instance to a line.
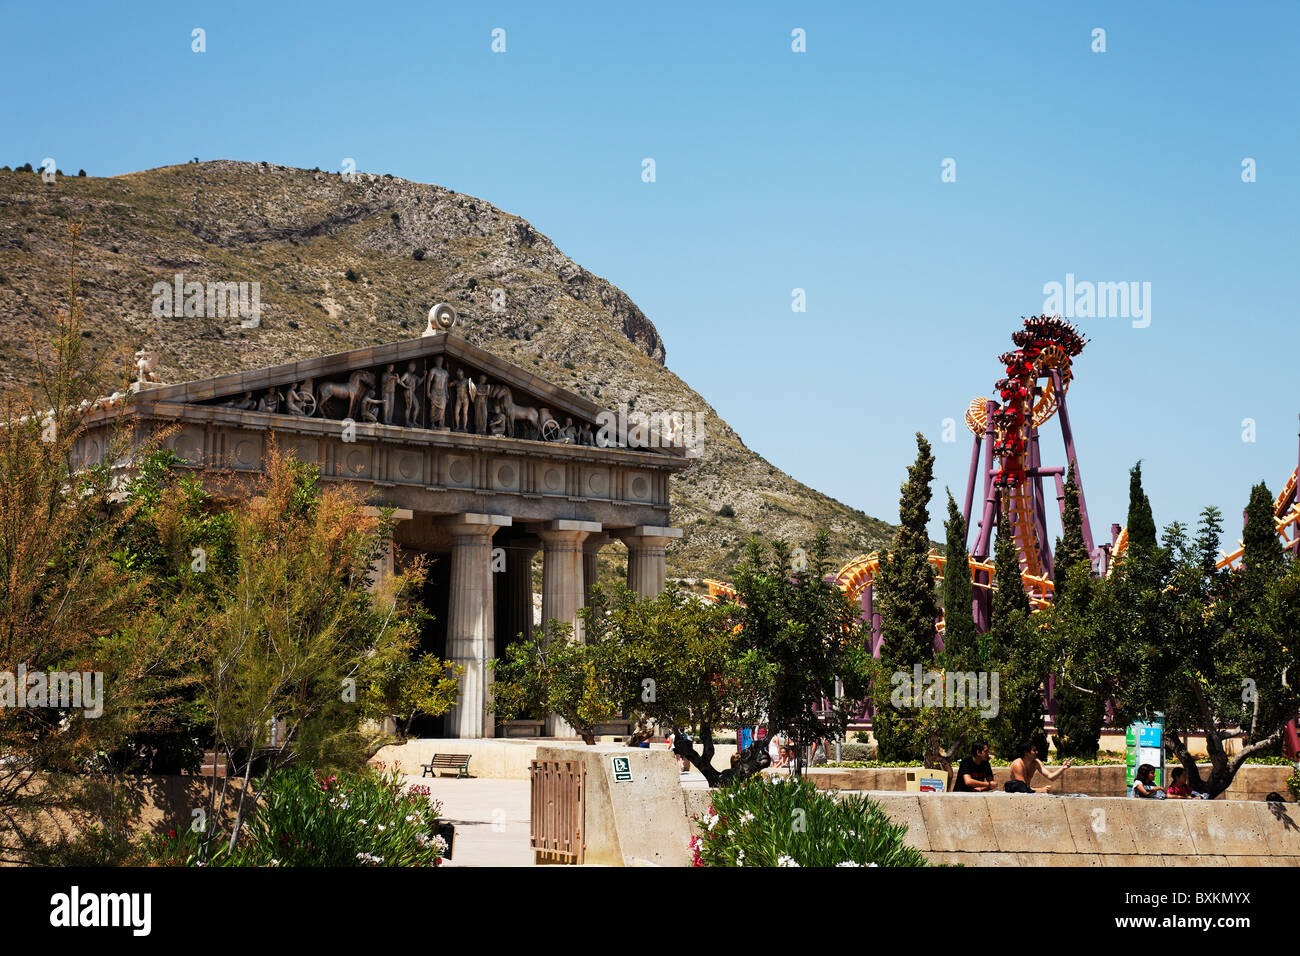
[1263, 553]
[908, 606]
[1010, 589]
[1141, 523]
[1070, 547]
[1013, 649]
[959, 636]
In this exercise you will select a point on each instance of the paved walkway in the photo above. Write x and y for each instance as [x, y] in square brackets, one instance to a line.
[491, 818]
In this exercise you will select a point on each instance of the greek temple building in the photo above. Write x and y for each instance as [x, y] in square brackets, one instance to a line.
[484, 464]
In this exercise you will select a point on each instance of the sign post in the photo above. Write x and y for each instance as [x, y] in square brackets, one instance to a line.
[1144, 743]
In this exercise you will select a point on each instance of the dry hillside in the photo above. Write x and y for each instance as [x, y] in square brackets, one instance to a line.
[338, 268]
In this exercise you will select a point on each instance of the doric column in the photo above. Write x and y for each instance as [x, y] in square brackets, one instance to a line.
[562, 584]
[470, 615]
[517, 603]
[647, 566]
[591, 563]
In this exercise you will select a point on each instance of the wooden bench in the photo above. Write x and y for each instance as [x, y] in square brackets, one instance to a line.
[457, 762]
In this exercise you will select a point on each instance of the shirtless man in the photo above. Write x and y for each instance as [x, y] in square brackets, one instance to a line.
[389, 385]
[410, 382]
[437, 389]
[1025, 766]
[460, 416]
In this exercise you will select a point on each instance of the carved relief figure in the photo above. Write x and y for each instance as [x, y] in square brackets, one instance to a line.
[270, 402]
[370, 407]
[462, 386]
[480, 394]
[146, 363]
[357, 385]
[247, 403]
[437, 390]
[299, 400]
[389, 390]
[410, 381]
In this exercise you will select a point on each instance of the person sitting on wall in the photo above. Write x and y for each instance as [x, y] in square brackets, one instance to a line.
[1024, 767]
[776, 751]
[1179, 788]
[975, 773]
[1144, 785]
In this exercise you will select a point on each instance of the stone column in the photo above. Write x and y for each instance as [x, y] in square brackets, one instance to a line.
[470, 616]
[562, 584]
[647, 567]
[518, 603]
[590, 563]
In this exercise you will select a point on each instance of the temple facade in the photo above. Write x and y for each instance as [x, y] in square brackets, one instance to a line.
[485, 465]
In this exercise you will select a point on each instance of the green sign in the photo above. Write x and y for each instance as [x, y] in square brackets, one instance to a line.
[622, 769]
[1144, 743]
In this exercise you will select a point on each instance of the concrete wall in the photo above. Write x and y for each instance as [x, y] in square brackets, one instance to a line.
[504, 757]
[1002, 829]
[1253, 782]
[498, 758]
[639, 822]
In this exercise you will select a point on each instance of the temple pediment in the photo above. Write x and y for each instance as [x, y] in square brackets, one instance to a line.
[433, 425]
[437, 383]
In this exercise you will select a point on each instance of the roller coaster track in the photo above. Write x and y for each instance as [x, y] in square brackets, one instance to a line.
[860, 573]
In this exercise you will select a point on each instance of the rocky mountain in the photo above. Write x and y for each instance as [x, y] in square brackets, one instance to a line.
[344, 264]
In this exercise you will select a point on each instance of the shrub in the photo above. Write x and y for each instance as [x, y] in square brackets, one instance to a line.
[81, 173]
[789, 822]
[351, 275]
[418, 255]
[366, 818]
[1293, 782]
[726, 511]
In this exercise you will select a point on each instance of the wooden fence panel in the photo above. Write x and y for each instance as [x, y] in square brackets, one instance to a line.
[559, 789]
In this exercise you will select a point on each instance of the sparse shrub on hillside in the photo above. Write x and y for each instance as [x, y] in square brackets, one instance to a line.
[351, 275]
[81, 174]
[726, 511]
[395, 216]
[418, 254]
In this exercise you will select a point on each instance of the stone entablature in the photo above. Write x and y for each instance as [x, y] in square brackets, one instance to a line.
[420, 468]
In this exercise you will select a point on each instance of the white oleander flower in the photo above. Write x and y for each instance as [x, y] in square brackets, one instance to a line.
[740, 858]
[441, 844]
[848, 863]
[746, 817]
[786, 861]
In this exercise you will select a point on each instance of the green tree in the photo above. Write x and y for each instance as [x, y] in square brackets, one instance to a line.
[1070, 546]
[556, 672]
[1141, 523]
[681, 663]
[959, 634]
[1014, 644]
[905, 595]
[805, 632]
[1079, 651]
[68, 604]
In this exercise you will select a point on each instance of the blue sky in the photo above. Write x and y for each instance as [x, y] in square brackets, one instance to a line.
[778, 170]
